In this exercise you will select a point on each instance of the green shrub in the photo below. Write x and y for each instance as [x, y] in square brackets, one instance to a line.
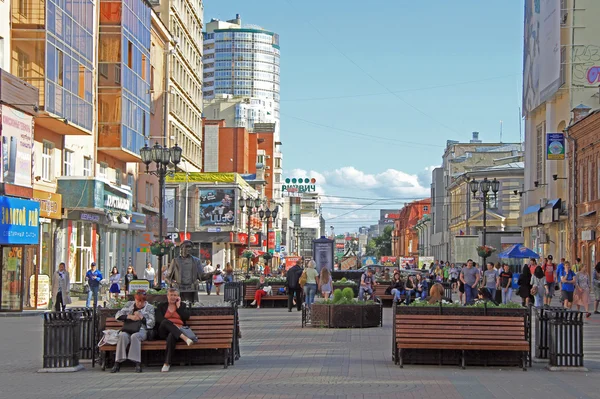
[337, 295]
[343, 280]
[348, 293]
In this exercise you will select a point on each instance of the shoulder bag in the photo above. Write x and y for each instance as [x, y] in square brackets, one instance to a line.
[303, 278]
[131, 326]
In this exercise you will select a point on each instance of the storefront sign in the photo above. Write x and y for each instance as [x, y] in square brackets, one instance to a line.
[299, 185]
[135, 285]
[137, 222]
[19, 221]
[549, 215]
[43, 291]
[16, 147]
[588, 235]
[90, 217]
[555, 146]
[119, 203]
[531, 216]
[50, 204]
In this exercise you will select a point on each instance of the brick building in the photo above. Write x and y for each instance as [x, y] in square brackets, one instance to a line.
[407, 236]
[584, 186]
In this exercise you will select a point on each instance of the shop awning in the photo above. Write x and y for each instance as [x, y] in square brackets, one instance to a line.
[590, 213]
[554, 204]
[532, 209]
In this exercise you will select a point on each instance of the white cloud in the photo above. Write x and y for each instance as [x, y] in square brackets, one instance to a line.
[389, 183]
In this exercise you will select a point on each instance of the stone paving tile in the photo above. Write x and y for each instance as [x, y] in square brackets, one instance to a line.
[282, 360]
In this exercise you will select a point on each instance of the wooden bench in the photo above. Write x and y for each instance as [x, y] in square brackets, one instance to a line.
[379, 292]
[213, 332]
[482, 333]
[250, 291]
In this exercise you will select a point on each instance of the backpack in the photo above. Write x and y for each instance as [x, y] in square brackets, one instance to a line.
[303, 279]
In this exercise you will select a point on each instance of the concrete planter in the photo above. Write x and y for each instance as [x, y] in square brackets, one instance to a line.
[346, 316]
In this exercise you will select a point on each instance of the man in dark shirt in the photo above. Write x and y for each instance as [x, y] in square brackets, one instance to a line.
[292, 282]
[506, 283]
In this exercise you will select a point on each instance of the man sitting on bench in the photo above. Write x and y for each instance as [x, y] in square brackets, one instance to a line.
[366, 284]
[170, 319]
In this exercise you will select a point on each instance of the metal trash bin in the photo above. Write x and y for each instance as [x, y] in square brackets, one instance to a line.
[234, 292]
[87, 340]
[542, 332]
[61, 342]
[565, 340]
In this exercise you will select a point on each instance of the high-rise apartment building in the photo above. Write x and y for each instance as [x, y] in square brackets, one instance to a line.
[184, 19]
[241, 61]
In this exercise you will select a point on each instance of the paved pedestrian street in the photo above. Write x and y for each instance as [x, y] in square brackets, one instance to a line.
[282, 360]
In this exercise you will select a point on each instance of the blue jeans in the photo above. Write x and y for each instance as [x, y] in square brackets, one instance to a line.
[492, 293]
[362, 290]
[470, 294]
[506, 295]
[208, 286]
[409, 294]
[539, 299]
[397, 294]
[309, 292]
[93, 291]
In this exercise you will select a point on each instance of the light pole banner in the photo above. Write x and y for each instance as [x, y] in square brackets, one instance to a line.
[555, 146]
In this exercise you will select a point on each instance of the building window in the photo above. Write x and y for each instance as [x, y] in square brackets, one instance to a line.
[118, 74]
[149, 193]
[23, 7]
[87, 166]
[103, 69]
[102, 171]
[68, 163]
[60, 65]
[277, 163]
[492, 201]
[130, 181]
[81, 91]
[540, 133]
[130, 54]
[22, 64]
[144, 67]
[47, 161]
[118, 175]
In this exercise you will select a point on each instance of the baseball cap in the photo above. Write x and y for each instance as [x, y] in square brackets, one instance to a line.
[550, 257]
[93, 263]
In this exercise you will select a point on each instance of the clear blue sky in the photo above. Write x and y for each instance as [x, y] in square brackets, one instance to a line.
[411, 73]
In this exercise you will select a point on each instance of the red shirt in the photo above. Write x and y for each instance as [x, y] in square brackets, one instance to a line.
[174, 318]
[549, 270]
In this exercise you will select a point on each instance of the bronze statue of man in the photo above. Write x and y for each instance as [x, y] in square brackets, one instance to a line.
[185, 272]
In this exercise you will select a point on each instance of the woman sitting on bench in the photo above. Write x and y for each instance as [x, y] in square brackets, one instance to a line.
[262, 289]
[170, 319]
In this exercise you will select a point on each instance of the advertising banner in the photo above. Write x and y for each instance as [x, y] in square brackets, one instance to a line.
[291, 261]
[170, 208]
[19, 221]
[323, 251]
[217, 207]
[425, 260]
[407, 262]
[555, 146]
[541, 58]
[348, 263]
[389, 260]
[271, 241]
[43, 291]
[16, 147]
[369, 260]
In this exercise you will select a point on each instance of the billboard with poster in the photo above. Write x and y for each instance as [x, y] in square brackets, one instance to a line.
[16, 147]
[425, 260]
[217, 207]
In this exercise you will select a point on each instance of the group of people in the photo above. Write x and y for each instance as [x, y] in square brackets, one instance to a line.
[141, 320]
[539, 282]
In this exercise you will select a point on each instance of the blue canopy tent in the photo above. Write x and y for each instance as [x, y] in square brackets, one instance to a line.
[518, 251]
[514, 256]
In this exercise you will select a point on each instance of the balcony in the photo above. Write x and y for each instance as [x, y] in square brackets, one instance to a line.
[120, 142]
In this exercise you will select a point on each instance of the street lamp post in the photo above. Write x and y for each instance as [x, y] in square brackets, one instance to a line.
[484, 186]
[163, 157]
[268, 216]
[247, 205]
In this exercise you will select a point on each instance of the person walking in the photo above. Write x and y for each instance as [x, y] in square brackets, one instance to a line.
[453, 276]
[506, 283]
[596, 282]
[567, 280]
[228, 273]
[150, 275]
[114, 280]
[218, 279]
[138, 318]
[292, 283]
[550, 273]
[61, 284]
[581, 298]
[325, 283]
[490, 280]
[525, 285]
[538, 286]
[129, 276]
[312, 281]
[93, 278]
[469, 276]
[208, 268]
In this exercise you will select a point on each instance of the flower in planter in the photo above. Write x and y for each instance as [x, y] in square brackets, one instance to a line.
[485, 251]
[168, 244]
